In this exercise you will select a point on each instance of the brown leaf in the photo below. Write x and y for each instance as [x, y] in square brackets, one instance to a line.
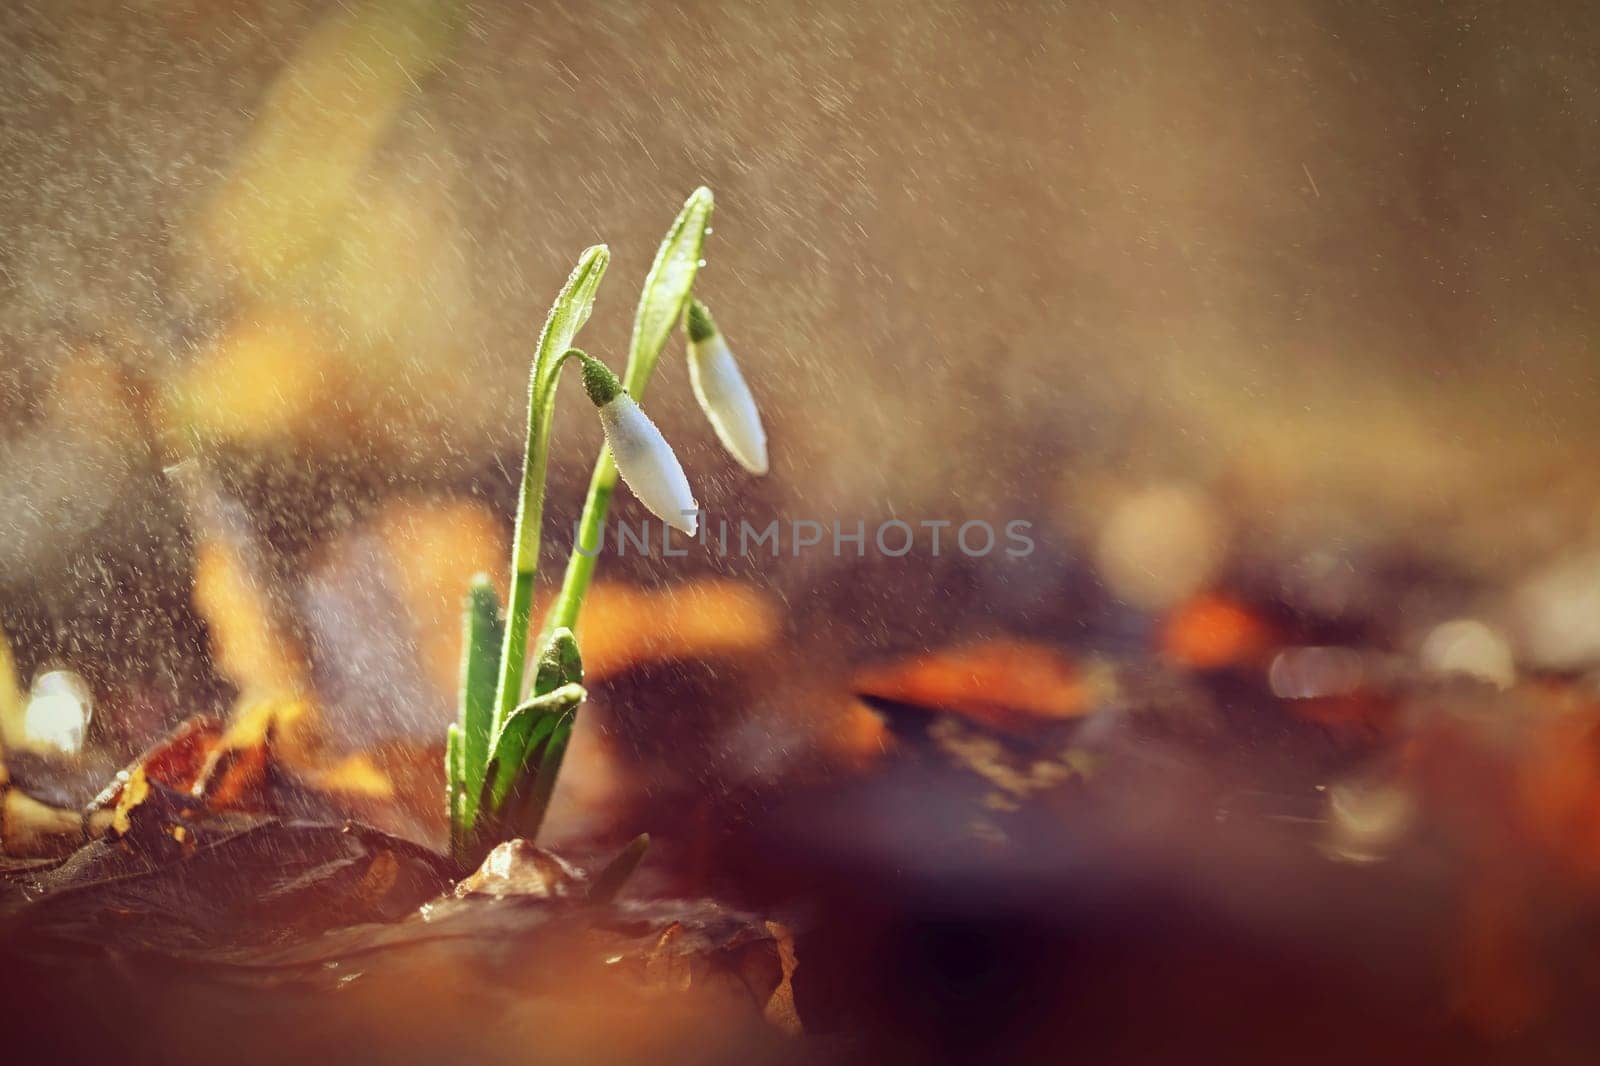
[521, 868]
[780, 1010]
[1365, 714]
[178, 759]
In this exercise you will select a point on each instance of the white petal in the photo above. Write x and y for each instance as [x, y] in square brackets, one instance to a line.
[727, 401]
[647, 464]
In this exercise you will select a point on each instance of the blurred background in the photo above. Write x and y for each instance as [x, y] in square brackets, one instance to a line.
[1293, 290]
[1295, 281]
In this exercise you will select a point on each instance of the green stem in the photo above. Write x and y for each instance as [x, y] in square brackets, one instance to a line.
[580, 565]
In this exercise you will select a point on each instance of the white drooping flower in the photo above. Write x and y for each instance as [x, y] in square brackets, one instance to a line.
[643, 457]
[722, 392]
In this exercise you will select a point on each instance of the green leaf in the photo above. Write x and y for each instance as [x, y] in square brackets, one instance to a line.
[570, 310]
[529, 797]
[483, 630]
[666, 288]
[519, 749]
[559, 663]
[522, 771]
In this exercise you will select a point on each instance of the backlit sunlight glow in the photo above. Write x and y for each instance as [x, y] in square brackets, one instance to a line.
[58, 711]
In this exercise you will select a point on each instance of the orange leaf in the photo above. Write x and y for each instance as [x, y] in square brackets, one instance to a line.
[623, 626]
[1212, 632]
[1008, 684]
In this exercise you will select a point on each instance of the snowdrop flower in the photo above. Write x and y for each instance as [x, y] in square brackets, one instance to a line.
[643, 457]
[722, 393]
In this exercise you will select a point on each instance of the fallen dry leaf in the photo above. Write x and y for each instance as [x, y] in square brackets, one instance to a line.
[1004, 683]
[1364, 714]
[624, 626]
[29, 828]
[1557, 792]
[180, 757]
[248, 645]
[1213, 632]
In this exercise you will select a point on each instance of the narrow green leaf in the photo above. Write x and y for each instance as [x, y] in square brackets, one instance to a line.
[454, 787]
[483, 630]
[666, 288]
[571, 308]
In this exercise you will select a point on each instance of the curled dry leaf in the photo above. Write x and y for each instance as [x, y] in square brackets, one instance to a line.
[220, 885]
[178, 759]
[36, 829]
[522, 868]
[781, 1010]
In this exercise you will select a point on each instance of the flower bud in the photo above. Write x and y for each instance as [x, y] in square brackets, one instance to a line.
[722, 392]
[643, 457]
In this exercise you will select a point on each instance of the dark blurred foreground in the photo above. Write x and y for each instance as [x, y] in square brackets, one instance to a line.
[998, 851]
